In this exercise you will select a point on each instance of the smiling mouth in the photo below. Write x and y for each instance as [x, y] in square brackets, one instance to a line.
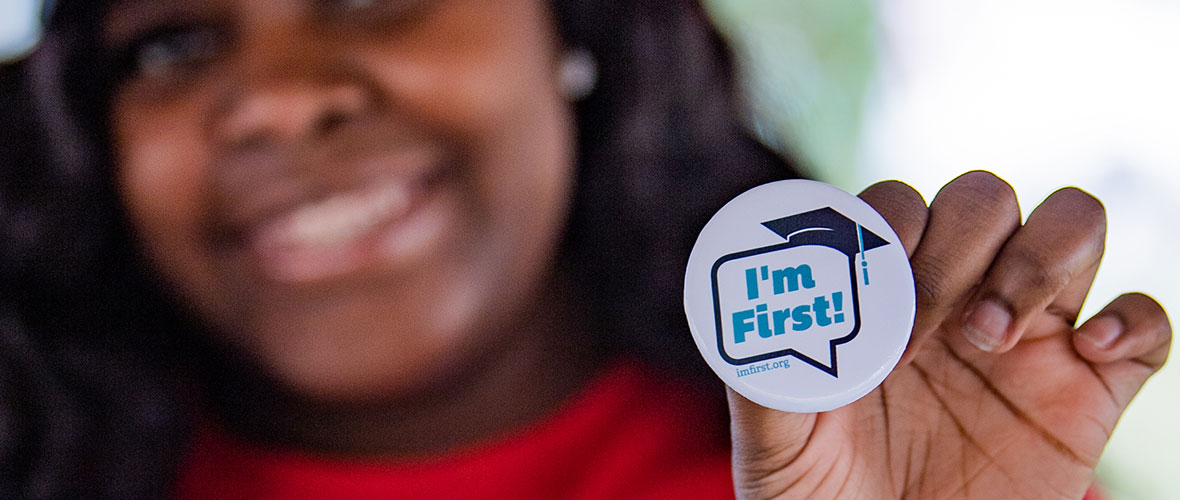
[336, 235]
[338, 219]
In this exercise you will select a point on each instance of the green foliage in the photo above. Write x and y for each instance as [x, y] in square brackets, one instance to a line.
[807, 65]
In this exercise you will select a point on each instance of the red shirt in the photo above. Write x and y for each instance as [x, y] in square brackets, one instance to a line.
[629, 434]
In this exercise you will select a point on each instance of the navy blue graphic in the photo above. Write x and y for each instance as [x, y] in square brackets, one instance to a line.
[821, 227]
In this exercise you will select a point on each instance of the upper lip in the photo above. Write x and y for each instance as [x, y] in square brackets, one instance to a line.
[253, 192]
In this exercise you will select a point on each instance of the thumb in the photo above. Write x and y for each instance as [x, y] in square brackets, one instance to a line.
[765, 443]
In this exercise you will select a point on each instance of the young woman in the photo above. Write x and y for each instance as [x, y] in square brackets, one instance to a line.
[434, 248]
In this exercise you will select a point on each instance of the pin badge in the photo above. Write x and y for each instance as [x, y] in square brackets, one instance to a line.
[799, 296]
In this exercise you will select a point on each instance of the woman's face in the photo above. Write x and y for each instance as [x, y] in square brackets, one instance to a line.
[358, 194]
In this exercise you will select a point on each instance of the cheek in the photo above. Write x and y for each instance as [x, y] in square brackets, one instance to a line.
[161, 182]
[492, 88]
[527, 180]
[518, 133]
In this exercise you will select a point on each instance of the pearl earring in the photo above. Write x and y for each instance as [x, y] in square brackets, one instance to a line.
[578, 74]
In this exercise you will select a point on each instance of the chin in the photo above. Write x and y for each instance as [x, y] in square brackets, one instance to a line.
[340, 378]
[330, 359]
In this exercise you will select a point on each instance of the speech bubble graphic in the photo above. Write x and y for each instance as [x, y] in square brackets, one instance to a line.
[817, 256]
[799, 296]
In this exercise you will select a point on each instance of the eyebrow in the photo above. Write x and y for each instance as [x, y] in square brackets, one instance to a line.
[121, 18]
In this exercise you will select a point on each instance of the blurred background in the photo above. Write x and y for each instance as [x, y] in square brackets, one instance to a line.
[1046, 93]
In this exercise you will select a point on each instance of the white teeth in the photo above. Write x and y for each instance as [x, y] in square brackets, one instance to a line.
[339, 218]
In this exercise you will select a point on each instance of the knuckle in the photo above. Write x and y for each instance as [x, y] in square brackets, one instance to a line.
[1147, 321]
[901, 206]
[1039, 272]
[1149, 312]
[897, 192]
[932, 282]
[980, 193]
[1083, 208]
[1073, 220]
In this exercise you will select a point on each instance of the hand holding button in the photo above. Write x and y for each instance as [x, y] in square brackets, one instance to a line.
[999, 394]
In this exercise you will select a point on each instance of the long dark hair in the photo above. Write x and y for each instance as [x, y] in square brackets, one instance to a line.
[90, 377]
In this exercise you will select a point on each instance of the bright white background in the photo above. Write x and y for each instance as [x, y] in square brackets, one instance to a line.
[18, 27]
[1049, 93]
[1046, 93]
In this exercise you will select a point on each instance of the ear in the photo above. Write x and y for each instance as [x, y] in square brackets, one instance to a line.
[577, 74]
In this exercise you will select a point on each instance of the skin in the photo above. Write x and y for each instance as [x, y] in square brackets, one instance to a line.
[981, 406]
[287, 103]
[1021, 413]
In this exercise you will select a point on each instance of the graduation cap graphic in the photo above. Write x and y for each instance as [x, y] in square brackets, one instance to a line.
[823, 227]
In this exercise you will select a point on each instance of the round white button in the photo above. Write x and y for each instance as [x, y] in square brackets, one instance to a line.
[799, 296]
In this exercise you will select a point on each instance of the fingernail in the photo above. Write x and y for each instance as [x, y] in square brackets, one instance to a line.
[1102, 331]
[987, 325]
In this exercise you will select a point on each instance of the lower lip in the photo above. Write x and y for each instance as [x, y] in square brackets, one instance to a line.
[389, 245]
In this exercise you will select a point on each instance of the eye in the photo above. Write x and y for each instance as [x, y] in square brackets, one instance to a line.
[170, 52]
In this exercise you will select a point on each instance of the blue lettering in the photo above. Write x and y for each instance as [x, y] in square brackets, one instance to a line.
[742, 325]
[802, 317]
[763, 322]
[751, 284]
[789, 279]
[821, 311]
[780, 321]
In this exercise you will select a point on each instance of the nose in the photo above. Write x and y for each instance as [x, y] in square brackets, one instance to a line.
[283, 94]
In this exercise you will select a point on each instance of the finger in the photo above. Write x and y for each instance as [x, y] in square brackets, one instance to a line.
[969, 221]
[765, 441]
[1132, 327]
[902, 207]
[1058, 248]
[1127, 342]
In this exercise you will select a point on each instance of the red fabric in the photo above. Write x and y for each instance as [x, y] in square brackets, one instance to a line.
[628, 435]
